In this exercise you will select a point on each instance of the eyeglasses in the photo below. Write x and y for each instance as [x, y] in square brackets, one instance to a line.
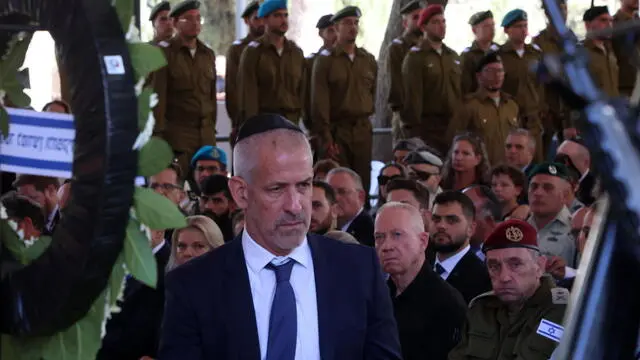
[384, 180]
[211, 169]
[421, 175]
[192, 19]
[165, 186]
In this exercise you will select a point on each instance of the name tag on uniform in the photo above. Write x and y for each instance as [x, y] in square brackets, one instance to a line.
[550, 330]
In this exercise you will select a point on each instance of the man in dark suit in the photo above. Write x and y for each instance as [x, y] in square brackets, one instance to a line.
[276, 292]
[134, 332]
[579, 157]
[452, 226]
[351, 196]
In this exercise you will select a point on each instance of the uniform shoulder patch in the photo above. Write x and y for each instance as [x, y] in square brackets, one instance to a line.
[237, 42]
[254, 44]
[536, 47]
[560, 296]
[415, 48]
[163, 44]
[325, 52]
[397, 41]
[487, 295]
[494, 47]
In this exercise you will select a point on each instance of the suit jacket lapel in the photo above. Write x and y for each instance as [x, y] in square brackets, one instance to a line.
[326, 302]
[241, 318]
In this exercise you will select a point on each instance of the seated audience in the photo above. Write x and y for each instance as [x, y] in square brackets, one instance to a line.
[488, 214]
[467, 163]
[572, 202]
[322, 168]
[410, 192]
[237, 222]
[341, 236]
[324, 210]
[509, 185]
[580, 156]
[404, 147]
[520, 148]
[26, 213]
[200, 236]
[44, 191]
[425, 167]
[389, 172]
[215, 201]
[57, 106]
[208, 160]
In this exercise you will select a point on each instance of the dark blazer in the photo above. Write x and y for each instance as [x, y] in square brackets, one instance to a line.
[585, 189]
[135, 331]
[209, 311]
[362, 228]
[470, 276]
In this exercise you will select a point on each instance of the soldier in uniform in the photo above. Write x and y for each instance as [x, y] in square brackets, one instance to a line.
[343, 93]
[398, 49]
[271, 74]
[256, 29]
[519, 81]
[162, 26]
[522, 317]
[603, 64]
[431, 78]
[484, 29]
[488, 111]
[186, 87]
[622, 47]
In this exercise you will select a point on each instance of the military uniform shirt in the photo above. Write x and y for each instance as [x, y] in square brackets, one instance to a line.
[626, 71]
[306, 112]
[231, 77]
[398, 49]
[555, 238]
[603, 66]
[470, 59]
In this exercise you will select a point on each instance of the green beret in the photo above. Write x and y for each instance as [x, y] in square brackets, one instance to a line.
[183, 7]
[489, 58]
[479, 17]
[349, 11]
[324, 22]
[553, 169]
[594, 12]
[411, 7]
[161, 6]
[513, 16]
[250, 9]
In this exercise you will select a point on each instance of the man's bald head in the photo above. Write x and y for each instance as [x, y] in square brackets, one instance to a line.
[578, 153]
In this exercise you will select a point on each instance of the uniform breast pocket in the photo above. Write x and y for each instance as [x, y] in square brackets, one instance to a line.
[481, 345]
[338, 76]
[294, 71]
[180, 80]
[536, 347]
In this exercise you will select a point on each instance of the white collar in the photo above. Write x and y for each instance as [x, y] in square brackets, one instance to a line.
[258, 257]
[584, 176]
[451, 262]
[346, 226]
[158, 247]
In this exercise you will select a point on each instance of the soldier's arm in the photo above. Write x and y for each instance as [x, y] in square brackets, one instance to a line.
[159, 82]
[214, 93]
[302, 85]
[462, 121]
[374, 88]
[320, 99]
[468, 74]
[230, 85]
[306, 97]
[394, 68]
[412, 78]
[248, 84]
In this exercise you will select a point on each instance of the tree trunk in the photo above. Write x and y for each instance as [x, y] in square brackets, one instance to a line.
[219, 30]
[382, 143]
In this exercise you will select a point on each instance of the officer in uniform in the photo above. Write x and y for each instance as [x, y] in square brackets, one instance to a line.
[186, 110]
[256, 29]
[488, 112]
[484, 29]
[603, 64]
[343, 93]
[271, 75]
[519, 81]
[398, 49]
[431, 77]
[522, 317]
[162, 26]
[622, 47]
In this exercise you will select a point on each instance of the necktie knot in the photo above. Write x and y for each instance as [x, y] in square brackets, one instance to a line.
[440, 269]
[283, 271]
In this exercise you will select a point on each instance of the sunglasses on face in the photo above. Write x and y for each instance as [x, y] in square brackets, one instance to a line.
[384, 180]
[421, 175]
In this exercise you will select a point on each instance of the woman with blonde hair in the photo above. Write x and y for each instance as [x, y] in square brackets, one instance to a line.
[200, 236]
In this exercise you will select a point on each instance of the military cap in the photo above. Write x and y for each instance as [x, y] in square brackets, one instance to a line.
[513, 16]
[214, 184]
[594, 12]
[512, 233]
[161, 6]
[209, 152]
[250, 9]
[349, 11]
[551, 168]
[428, 12]
[270, 6]
[423, 156]
[183, 7]
[479, 17]
[263, 123]
[411, 7]
[409, 144]
[324, 22]
[489, 58]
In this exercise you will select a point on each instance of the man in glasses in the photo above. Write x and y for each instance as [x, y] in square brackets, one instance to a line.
[186, 111]
[167, 183]
[424, 166]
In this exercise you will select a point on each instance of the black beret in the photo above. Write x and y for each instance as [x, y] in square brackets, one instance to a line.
[423, 156]
[479, 17]
[161, 6]
[214, 184]
[489, 58]
[411, 7]
[553, 169]
[349, 11]
[594, 12]
[262, 123]
[324, 22]
[183, 7]
[409, 144]
[250, 9]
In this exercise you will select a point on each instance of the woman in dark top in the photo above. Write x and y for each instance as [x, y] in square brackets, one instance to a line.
[467, 163]
[510, 186]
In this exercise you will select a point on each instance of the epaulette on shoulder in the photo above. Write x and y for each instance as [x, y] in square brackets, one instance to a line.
[325, 52]
[254, 44]
[415, 48]
[536, 47]
[237, 42]
[559, 296]
[466, 50]
[397, 41]
[494, 47]
[163, 44]
[480, 297]
[310, 56]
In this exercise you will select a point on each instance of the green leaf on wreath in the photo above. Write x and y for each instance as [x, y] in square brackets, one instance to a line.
[156, 211]
[154, 157]
[144, 107]
[14, 59]
[138, 255]
[116, 280]
[12, 242]
[39, 246]
[16, 95]
[124, 9]
[4, 122]
[145, 58]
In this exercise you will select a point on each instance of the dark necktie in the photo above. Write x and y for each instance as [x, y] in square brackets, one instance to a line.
[283, 322]
[439, 269]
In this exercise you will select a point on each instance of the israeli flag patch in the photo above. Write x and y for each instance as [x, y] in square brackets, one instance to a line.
[550, 330]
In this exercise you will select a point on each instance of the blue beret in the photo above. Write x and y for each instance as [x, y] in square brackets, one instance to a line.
[513, 16]
[270, 6]
[209, 152]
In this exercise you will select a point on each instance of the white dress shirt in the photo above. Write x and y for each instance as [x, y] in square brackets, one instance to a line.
[451, 262]
[263, 288]
[346, 226]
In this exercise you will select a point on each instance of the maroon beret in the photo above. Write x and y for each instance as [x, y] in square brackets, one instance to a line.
[428, 12]
[512, 234]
